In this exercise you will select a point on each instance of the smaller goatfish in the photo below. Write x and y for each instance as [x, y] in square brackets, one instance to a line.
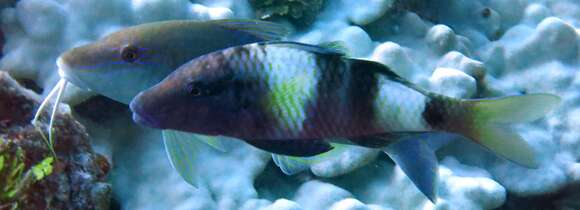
[133, 59]
[295, 99]
[130, 60]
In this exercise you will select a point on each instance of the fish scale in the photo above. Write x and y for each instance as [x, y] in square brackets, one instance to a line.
[399, 108]
[288, 87]
[303, 109]
[291, 89]
[331, 110]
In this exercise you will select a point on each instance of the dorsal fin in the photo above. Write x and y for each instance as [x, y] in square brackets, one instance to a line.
[338, 46]
[262, 29]
[306, 47]
[369, 65]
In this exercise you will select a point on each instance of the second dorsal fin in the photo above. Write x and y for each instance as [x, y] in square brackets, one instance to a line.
[319, 49]
[337, 46]
[261, 29]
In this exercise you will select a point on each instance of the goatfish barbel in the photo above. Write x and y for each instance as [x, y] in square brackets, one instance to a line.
[296, 99]
[133, 59]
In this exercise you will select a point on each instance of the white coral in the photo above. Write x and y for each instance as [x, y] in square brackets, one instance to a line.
[520, 47]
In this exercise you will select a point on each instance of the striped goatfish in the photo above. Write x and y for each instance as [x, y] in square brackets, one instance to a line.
[299, 100]
[133, 59]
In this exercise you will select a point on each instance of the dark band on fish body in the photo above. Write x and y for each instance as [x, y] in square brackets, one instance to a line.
[381, 140]
[434, 114]
[362, 92]
[369, 141]
[328, 100]
[293, 147]
[243, 91]
[246, 92]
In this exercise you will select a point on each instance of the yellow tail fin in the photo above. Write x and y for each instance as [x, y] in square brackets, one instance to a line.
[491, 119]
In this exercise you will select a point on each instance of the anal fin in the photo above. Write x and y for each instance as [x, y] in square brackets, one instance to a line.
[418, 161]
[292, 165]
[414, 153]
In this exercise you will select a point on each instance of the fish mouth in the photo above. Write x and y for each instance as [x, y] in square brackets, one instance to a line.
[140, 118]
[66, 72]
[145, 121]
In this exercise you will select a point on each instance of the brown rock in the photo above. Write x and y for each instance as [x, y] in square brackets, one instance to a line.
[78, 173]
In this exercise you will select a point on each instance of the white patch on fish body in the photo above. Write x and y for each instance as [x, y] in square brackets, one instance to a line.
[400, 108]
[291, 76]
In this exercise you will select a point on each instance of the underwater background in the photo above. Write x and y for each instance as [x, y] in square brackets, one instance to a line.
[459, 48]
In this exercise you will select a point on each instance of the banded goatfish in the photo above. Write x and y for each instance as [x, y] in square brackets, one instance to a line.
[300, 100]
[128, 61]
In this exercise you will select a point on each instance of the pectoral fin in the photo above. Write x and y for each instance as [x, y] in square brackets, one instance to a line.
[293, 147]
[182, 153]
[213, 141]
[182, 149]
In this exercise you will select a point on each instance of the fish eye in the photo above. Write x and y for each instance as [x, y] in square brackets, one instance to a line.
[486, 12]
[130, 53]
[198, 88]
[194, 89]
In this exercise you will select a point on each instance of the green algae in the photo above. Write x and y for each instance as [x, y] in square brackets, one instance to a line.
[15, 178]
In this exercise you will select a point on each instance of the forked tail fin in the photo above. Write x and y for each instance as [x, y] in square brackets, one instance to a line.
[490, 119]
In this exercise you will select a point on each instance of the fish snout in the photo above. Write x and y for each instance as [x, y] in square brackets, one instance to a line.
[142, 112]
[66, 72]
